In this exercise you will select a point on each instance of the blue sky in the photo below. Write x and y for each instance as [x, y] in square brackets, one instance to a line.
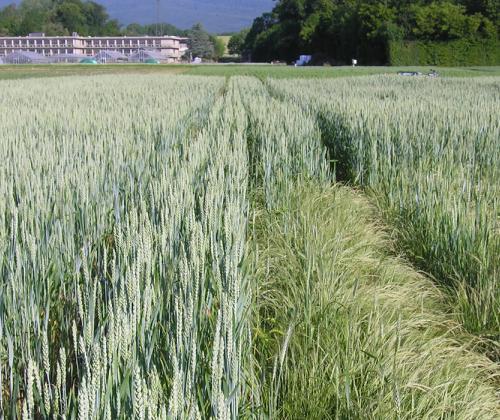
[215, 15]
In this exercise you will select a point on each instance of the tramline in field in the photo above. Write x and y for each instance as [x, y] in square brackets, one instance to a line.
[429, 152]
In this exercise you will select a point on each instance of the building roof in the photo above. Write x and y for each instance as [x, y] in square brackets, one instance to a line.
[181, 38]
[33, 36]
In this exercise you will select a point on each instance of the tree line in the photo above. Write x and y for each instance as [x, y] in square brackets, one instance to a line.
[88, 18]
[57, 17]
[336, 31]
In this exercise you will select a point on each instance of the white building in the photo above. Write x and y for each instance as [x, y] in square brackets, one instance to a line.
[172, 48]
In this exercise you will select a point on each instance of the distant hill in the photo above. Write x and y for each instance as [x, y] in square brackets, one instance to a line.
[215, 15]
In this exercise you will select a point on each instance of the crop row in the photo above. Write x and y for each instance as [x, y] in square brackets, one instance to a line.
[428, 152]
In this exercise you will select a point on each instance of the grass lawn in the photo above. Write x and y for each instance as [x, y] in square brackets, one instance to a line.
[258, 70]
[262, 71]
[55, 70]
[225, 39]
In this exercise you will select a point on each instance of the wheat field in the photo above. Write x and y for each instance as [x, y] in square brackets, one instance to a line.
[194, 247]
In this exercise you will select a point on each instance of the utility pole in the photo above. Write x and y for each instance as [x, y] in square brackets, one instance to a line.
[158, 18]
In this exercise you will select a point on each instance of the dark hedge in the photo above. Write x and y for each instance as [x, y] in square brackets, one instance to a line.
[463, 52]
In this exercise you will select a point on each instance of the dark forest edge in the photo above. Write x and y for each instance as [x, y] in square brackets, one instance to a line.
[376, 32]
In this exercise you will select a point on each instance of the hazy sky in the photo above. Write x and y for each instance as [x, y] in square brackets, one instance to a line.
[216, 15]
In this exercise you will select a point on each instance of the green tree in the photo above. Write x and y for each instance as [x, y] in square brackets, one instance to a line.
[134, 29]
[258, 42]
[488, 8]
[219, 47]
[34, 14]
[72, 17]
[446, 21]
[200, 43]
[292, 14]
[164, 28]
[236, 42]
[338, 30]
[111, 28]
[10, 20]
[57, 17]
[319, 15]
[378, 21]
[95, 15]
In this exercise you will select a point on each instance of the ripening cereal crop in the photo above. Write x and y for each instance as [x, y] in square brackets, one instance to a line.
[429, 151]
[177, 248]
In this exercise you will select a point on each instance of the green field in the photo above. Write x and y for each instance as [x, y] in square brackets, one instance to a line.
[227, 242]
[225, 39]
[261, 71]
